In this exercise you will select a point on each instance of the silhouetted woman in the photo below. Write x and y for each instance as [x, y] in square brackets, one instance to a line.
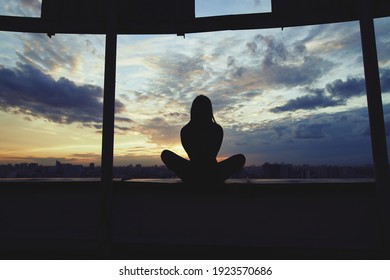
[201, 138]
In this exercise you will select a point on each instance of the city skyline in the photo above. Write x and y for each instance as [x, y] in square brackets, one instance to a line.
[294, 95]
[266, 170]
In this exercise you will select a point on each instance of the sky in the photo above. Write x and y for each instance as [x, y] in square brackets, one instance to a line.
[295, 95]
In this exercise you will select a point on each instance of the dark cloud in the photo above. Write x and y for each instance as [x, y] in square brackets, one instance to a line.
[335, 94]
[309, 70]
[385, 80]
[252, 46]
[122, 130]
[339, 92]
[274, 49]
[119, 108]
[284, 66]
[96, 126]
[234, 71]
[316, 99]
[334, 138]
[281, 131]
[251, 94]
[344, 90]
[176, 115]
[310, 131]
[121, 119]
[26, 90]
[386, 113]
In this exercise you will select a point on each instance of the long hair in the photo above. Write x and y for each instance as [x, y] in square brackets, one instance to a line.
[202, 110]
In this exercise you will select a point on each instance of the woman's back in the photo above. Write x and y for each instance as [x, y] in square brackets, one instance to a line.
[202, 142]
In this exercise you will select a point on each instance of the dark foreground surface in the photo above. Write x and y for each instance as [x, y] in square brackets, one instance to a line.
[157, 219]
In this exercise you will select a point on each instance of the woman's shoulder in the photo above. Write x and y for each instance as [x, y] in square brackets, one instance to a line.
[217, 127]
[192, 127]
[185, 128]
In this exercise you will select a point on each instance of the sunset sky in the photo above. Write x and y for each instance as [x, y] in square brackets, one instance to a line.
[295, 95]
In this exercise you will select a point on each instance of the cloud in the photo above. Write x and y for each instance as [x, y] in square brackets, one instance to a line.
[385, 80]
[344, 90]
[310, 131]
[338, 40]
[234, 75]
[333, 138]
[316, 99]
[232, 71]
[387, 129]
[28, 91]
[386, 113]
[87, 156]
[119, 108]
[179, 75]
[25, 8]
[382, 40]
[158, 130]
[334, 94]
[48, 54]
[252, 47]
[31, 4]
[252, 67]
[261, 64]
[281, 131]
[288, 66]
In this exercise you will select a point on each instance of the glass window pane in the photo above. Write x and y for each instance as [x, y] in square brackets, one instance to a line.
[51, 104]
[23, 8]
[205, 8]
[383, 47]
[293, 96]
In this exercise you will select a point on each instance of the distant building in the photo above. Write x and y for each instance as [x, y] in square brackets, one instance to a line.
[267, 170]
[68, 170]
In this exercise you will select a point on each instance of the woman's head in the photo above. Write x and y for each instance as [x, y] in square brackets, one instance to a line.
[202, 110]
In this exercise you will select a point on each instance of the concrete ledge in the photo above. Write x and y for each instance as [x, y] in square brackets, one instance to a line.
[148, 217]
